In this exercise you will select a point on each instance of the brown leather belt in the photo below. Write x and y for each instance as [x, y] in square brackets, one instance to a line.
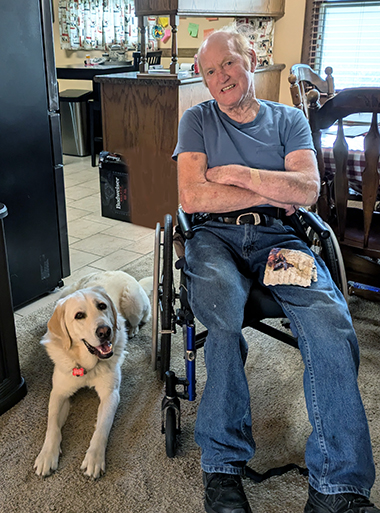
[265, 216]
[246, 218]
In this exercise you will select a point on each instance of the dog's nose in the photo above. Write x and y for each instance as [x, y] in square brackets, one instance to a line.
[103, 332]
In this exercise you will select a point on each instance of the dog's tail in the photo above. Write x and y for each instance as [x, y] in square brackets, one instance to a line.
[147, 284]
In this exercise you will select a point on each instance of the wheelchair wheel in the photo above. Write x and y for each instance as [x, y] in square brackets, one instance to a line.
[329, 250]
[170, 432]
[163, 298]
[167, 297]
[155, 300]
[334, 260]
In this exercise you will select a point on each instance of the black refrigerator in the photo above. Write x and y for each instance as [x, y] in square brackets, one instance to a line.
[31, 168]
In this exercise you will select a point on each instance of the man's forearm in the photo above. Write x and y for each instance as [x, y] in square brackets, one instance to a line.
[298, 184]
[214, 197]
[280, 186]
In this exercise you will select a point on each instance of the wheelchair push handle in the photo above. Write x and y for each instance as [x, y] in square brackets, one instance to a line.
[184, 221]
[315, 223]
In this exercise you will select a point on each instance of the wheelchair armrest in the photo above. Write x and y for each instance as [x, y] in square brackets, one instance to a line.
[184, 221]
[315, 223]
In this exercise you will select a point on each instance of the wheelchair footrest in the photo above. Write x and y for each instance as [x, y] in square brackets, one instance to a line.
[278, 471]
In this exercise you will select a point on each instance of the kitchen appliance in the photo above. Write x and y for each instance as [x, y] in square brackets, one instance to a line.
[31, 169]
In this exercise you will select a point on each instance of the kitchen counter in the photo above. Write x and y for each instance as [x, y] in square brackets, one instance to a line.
[187, 77]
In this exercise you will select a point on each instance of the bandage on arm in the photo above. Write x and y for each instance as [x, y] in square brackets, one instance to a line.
[255, 177]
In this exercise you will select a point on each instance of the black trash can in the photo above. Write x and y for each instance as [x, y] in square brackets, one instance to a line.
[75, 121]
[12, 385]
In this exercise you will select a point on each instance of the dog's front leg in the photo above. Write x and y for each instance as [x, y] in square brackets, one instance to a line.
[47, 461]
[94, 462]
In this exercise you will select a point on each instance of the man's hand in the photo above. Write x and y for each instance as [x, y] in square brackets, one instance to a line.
[227, 175]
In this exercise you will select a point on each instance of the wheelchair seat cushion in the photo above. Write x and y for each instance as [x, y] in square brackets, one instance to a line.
[261, 305]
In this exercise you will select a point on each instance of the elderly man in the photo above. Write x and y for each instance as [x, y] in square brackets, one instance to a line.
[241, 163]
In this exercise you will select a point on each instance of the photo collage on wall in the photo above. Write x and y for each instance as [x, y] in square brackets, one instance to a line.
[261, 33]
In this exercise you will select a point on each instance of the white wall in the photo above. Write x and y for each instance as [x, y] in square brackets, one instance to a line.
[288, 42]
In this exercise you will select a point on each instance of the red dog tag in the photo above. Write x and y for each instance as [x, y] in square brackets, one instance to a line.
[78, 372]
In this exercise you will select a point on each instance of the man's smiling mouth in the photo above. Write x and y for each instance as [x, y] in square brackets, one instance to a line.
[228, 88]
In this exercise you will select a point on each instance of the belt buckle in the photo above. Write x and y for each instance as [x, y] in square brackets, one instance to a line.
[255, 215]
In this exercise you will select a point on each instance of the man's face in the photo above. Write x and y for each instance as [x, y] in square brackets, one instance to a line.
[225, 71]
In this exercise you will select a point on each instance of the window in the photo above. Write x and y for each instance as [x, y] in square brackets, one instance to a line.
[345, 35]
[96, 24]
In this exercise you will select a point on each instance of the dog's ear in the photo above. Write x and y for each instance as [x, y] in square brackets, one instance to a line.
[57, 325]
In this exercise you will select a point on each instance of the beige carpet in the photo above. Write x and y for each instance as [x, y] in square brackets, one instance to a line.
[139, 477]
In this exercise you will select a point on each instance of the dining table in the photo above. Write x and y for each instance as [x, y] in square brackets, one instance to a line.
[89, 71]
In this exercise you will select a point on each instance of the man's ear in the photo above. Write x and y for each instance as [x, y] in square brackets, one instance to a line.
[57, 325]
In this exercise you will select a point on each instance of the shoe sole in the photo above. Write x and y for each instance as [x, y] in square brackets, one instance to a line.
[240, 510]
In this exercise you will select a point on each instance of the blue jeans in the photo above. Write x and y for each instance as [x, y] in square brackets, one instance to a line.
[221, 260]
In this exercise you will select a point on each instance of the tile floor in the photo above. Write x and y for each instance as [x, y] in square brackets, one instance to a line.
[96, 242]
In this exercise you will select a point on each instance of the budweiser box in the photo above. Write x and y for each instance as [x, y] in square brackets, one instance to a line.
[114, 190]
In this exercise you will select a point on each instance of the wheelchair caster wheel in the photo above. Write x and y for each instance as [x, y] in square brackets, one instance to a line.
[171, 432]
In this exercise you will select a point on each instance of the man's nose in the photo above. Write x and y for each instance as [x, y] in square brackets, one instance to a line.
[222, 75]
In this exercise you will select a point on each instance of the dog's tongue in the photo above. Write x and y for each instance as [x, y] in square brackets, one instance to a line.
[105, 348]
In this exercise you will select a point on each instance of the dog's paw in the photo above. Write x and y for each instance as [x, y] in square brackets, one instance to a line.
[94, 463]
[46, 462]
[132, 331]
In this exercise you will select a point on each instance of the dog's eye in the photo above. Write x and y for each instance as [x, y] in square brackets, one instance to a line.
[80, 315]
[102, 306]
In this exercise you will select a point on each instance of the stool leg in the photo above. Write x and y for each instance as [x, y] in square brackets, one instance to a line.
[92, 134]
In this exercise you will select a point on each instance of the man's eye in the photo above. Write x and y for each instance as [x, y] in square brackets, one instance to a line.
[102, 306]
[210, 72]
[80, 315]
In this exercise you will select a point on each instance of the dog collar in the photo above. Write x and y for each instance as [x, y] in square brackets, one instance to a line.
[79, 371]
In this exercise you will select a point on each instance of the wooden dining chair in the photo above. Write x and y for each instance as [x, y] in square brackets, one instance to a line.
[357, 227]
[152, 57]
[302, 79]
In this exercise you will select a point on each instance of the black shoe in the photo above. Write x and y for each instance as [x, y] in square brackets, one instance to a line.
[338, 503]
[224, 494]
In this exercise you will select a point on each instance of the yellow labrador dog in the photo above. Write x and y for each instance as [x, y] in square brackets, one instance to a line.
[86, 338]
[129, 295]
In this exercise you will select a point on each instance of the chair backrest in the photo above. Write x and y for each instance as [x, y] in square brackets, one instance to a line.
[153, 58]
[356, 228]
[302, 79]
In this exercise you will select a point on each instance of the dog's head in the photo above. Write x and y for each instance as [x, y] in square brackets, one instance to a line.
[87, 318]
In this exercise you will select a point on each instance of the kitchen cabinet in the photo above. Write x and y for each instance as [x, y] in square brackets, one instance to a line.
[274, 8]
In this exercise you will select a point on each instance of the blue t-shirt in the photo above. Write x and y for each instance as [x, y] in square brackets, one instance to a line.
[262, 143]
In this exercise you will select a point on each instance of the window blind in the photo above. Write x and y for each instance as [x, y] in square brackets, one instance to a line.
[347, 37]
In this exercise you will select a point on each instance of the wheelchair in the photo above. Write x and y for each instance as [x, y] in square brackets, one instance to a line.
[171, 310]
